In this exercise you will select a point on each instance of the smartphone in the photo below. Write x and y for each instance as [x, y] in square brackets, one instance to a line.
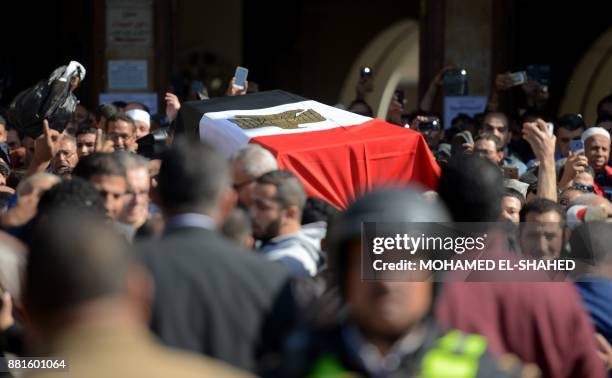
[550, 127]
[511, 172]
[577, 145]
[241, 76]
[518, 78]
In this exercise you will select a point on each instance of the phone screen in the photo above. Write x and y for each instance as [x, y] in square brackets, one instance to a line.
[241, 76]
[518, 78]
[576, 145]
[511, 172]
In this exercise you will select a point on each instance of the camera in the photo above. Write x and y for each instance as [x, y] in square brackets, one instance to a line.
[153, 145]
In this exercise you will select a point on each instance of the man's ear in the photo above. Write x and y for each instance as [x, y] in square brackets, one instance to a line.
[294, 213]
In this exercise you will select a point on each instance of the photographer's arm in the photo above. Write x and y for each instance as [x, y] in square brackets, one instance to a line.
[428, 99]
[543, 146]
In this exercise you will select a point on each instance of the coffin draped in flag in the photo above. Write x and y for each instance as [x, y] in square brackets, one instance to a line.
[338, 155]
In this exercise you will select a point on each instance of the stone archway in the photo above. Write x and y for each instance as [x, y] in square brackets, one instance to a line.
[591, 80]
[394, 57]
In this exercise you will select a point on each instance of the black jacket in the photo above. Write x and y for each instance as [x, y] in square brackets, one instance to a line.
[214, 298]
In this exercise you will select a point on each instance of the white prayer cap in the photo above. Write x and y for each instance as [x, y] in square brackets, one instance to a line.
[592, 131]
[139, 115]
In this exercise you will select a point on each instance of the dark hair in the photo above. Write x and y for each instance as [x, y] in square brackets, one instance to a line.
[509, 192]
[603, 118]
[106, 111]
[120, 117]
[501, 115]
[489, 136]
[86, 130]
[15, 177]
[570, 122]
[5, 198]
[317, 210]
[605, 100]
[99, 164]
[76, 195]
[3, 121]
[74, 258]
[119, 104]
[541, 206]
[472, 188]
[237, 226]
[192, 175]
[289, 189]
[5, 170]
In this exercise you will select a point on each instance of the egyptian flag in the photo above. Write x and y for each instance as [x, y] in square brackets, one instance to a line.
[338, 155]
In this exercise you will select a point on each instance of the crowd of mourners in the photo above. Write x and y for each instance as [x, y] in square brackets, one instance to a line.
[129, 259]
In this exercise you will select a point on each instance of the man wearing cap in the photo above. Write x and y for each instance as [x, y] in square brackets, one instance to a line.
[597, 150]
[142, 119]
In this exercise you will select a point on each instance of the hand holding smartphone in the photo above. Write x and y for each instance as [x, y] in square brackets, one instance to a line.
[577, 146]
[240, 77]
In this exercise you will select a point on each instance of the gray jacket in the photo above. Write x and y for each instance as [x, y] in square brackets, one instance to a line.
[300, 251]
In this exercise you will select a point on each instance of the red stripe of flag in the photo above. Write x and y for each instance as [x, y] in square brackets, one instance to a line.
[339, 164]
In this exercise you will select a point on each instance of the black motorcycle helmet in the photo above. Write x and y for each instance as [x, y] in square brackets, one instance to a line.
[389, 205]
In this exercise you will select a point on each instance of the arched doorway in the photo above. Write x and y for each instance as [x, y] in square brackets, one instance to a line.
[591, 80]
[394, 57]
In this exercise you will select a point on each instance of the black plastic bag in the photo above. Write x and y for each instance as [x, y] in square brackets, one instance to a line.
[50, 98]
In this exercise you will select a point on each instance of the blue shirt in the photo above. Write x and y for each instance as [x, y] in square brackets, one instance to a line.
[596, 295]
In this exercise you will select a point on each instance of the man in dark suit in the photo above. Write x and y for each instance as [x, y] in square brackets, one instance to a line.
[210, 296]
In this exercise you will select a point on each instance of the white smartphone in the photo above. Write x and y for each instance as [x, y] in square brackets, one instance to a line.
[241, 76]
[550, 127]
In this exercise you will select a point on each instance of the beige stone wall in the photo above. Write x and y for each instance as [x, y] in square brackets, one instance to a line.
[215, 26]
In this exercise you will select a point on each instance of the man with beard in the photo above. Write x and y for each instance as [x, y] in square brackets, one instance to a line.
[278, 199]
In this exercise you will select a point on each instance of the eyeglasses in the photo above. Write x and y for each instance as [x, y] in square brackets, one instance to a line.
[584, 188]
